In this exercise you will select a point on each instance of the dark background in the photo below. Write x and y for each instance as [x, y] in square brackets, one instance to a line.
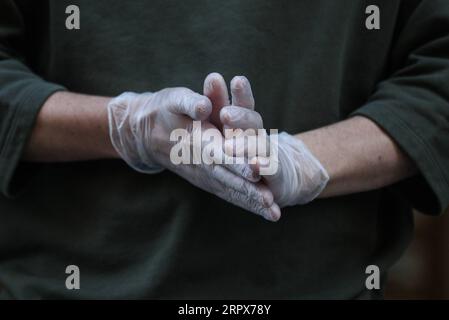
[423, 272]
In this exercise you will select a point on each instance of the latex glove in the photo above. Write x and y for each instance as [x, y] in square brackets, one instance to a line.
[216, 90]
[299, 177]
[140, 127]
[242, 97]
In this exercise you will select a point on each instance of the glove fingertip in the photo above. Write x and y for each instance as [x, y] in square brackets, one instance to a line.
[239, 82]
[275, 213]
[225, 117]
[203, 109]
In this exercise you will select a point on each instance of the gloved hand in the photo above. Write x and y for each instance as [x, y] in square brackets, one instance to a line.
[299, 177]
[140, 127]
[242, 97]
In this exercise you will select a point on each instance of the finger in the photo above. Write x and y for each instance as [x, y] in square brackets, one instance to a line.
[248, 146]
[242, 95]
[238, 166]
[257, 192]
[243, 170]
[215, 89]
[275, 212]
[240, 118]
[236, 146]
[212, 149]
[268, 168]
[272, 214]
[186, 102]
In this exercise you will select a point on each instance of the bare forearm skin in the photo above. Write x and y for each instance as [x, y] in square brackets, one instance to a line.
[358, 156]
[71, 127]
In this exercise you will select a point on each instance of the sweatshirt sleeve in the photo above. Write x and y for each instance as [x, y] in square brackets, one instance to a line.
[22, 93]
[412, 104]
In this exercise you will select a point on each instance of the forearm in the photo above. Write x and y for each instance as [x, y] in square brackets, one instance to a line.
[358, 156]
[71, 127]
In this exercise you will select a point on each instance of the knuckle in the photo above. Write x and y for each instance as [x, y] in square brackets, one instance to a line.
[259, 120]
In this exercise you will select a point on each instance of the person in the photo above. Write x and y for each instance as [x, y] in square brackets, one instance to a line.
[86, 179]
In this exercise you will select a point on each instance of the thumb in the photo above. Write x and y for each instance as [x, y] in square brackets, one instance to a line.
[186, 102]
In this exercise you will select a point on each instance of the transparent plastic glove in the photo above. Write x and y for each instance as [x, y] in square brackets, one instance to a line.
[140, 128]
[242, 97]
[299, 177]
[216, 90]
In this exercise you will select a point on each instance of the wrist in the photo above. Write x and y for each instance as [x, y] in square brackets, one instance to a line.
[311, 177]
[106, 147]
[128, 118]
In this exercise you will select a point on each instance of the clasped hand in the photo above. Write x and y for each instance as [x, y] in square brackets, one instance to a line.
[140, 128]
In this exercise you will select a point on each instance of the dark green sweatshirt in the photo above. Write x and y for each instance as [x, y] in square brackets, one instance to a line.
[311, 63]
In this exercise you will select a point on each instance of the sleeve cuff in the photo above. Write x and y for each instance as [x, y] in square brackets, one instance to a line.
[17, 135]
[418, 149]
